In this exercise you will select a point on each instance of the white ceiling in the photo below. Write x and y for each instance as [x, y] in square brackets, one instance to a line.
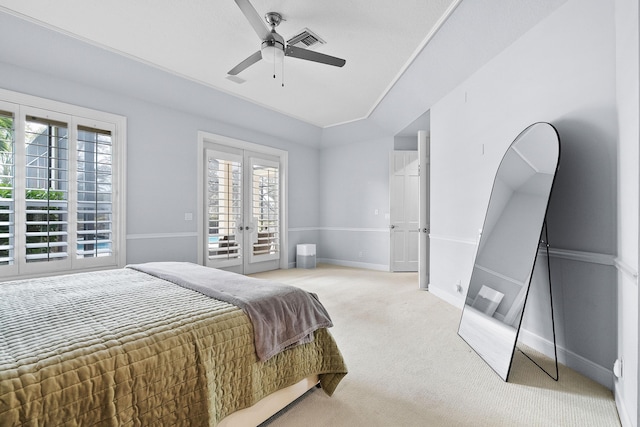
[203, 39]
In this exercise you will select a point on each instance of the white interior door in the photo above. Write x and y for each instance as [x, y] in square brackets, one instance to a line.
[242, 210]
[404, 210]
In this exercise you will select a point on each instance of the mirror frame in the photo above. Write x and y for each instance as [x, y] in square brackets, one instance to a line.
[489, 331]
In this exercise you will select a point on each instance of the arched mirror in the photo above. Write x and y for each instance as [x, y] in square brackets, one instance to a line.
[508, 246]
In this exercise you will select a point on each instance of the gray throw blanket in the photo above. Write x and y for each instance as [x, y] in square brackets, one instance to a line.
[282, 315]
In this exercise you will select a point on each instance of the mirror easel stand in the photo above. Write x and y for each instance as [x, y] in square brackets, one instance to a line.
[545, 242]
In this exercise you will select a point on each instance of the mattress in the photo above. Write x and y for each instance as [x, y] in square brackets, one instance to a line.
[121, 347]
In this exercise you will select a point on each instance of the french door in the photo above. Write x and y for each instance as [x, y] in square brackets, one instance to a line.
[242, 210]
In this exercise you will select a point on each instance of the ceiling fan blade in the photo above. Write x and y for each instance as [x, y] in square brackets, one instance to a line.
[246, 63]
[310, 55]
[254, 19]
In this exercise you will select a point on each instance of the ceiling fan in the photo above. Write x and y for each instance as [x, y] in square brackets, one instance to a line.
[273, 46]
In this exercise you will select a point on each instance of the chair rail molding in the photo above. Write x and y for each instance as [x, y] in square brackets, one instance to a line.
[626, 269]
[141, 236]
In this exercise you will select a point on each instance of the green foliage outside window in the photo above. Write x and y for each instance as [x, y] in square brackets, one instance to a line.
[6, 147]
[45, 216]
[37, 194]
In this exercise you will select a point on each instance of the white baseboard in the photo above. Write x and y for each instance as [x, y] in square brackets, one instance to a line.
[446, 296]
[365, 265]
[574, 361]
[623, 414]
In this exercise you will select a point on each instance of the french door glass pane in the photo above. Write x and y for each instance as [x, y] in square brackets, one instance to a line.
[47, 182]
[265, 209]
[7, 179]
[224, 208]
[95, 201]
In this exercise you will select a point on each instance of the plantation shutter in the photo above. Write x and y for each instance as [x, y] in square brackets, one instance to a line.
[265, 207]
[224, 206]
[47, 189]
[7, 188]
[94, 193]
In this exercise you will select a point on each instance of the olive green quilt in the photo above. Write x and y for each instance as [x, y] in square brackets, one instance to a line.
[121, 347]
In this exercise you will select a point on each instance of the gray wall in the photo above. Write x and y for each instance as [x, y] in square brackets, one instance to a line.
[354, 204]
[563, 72]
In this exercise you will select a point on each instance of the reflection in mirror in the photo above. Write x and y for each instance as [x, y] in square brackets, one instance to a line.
[508, 246]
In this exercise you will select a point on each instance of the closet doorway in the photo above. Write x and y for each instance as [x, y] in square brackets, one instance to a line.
[242, 206]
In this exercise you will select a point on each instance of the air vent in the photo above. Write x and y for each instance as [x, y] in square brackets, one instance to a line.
[305, 39]
[236, 79]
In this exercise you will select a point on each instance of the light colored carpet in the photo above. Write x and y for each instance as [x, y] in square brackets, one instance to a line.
[408, 367]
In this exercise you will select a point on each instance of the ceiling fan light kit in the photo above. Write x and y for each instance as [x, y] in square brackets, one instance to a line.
[272, 51]
[273, 48]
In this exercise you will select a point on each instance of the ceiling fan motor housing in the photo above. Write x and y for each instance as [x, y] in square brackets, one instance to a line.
[273, 19]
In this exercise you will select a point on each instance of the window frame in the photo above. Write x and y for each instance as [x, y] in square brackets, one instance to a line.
[22, 106]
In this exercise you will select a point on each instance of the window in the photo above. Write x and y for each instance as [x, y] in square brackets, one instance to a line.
[61, 188]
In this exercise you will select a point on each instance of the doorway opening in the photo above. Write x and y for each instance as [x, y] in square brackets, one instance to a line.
[409, 191]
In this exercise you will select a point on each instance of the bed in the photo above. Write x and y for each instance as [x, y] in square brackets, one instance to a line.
[127, 347]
